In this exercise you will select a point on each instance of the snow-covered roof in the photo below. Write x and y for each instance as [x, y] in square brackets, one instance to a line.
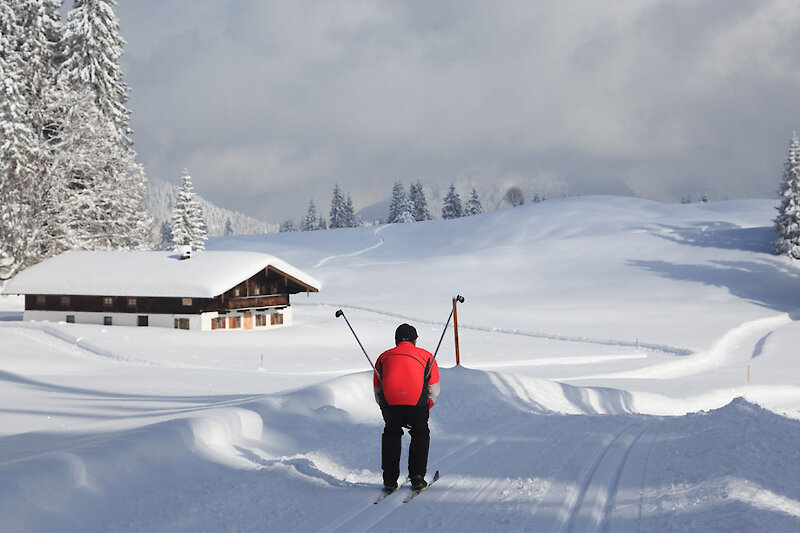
[160, 274]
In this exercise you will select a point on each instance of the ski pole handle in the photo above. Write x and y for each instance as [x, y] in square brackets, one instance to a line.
[341, 313]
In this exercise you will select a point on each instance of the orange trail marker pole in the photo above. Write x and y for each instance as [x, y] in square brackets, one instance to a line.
[455, 330]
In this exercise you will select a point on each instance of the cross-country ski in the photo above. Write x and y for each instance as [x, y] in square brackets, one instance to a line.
[415, 492]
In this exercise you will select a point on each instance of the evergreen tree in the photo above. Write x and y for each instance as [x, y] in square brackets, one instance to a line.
[311, 221]
[452, 204]
[97, 198]
[228, 227]
[338, 212]
[188, 227]
[400, 208]
[514, 196]
[398, 198]
[418, 202]
[165, 233]
[92, 47]
[787, 223]
[351, 220]
[17, 176]
[28, 45]
[68, 178]
[473, 206]
[287, 225]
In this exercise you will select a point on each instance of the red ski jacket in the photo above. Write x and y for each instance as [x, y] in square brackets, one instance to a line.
[402, 370]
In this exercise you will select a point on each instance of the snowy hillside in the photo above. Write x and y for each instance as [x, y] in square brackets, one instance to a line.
[606, 342]
[160, 200]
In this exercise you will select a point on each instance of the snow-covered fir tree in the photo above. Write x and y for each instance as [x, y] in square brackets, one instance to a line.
[188, 227]
[419, 203]
[338, 214]
[161, 197]
[287, 226]
[27, 52]
[473, 206]
[400, 208]
[514, 196]
[17, 176]
[398, 197]
[452, 207]
[349, 214]
[787, 223]
[311, 220]
[99, 188]
[165, 236]
[92, 47]
[64, 184]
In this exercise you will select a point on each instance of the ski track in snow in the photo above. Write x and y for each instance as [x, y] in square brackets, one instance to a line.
[370, 516]
[588, 506]
[52, 337]
[359, 252]
[672, 350]
[743, 342]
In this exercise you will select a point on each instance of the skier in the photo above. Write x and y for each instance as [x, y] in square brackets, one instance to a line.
[405, 397]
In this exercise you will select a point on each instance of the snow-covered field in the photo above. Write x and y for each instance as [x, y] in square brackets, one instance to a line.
[606, 345]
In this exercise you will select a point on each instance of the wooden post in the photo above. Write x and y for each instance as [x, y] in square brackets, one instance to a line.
[455, 331]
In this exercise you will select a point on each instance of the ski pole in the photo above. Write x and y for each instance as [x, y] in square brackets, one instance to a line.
[459, 299]
[341, 313]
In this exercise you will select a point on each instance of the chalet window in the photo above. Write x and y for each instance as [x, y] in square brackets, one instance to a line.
[261, 320]
[257, 290]
[131, 302]
[64, 301]
[186, 302]
[107, 321]
[181, 323]
[70, 319]
[143, 320]
[276, 318]
[218, 323]
[41, 299]
[235, 322]
[108, 301]
[236, 292]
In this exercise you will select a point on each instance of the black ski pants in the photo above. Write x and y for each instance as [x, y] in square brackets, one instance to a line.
[396, 417]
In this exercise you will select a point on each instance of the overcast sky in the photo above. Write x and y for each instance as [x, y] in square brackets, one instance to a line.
[269, 103]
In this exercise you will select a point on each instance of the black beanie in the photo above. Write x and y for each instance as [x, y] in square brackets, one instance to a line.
[405, 332]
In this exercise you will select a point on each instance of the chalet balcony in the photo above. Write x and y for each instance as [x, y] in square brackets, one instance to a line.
[277, 300]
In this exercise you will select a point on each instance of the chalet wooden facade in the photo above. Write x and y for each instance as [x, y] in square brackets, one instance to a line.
[209, 291]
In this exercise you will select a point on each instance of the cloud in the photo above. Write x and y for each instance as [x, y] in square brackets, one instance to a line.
[285, 98]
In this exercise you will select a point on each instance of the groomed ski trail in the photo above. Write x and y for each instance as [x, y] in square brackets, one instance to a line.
[663, 348]
[582, 498]
[368, 517]
[358, 252]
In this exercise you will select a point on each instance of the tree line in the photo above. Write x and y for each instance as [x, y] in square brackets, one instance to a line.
[403, 208]
[787, 223]
[68, 172]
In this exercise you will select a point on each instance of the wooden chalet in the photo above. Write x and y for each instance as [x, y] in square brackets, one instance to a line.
[209, 290]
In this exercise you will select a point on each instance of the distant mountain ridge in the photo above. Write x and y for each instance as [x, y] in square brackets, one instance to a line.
[161, 198]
